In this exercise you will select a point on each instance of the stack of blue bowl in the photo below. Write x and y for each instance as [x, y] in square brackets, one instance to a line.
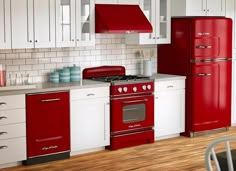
[54, 77]
[64, 75]
[75, 73]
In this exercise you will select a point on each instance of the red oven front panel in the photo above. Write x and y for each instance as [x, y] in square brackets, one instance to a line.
[132, 113]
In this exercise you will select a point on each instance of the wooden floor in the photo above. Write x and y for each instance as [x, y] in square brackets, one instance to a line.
[175, 154]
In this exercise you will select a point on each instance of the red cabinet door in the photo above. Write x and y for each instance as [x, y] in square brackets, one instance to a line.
[211, 95]
[48, 123]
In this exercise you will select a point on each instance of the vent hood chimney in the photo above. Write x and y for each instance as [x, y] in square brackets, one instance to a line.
[120, 19]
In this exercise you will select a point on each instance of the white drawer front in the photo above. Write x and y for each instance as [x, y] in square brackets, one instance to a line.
[12, 131]
[12, 102]
[89, 93]
[12, 150]
[12, 116]
[169, 85]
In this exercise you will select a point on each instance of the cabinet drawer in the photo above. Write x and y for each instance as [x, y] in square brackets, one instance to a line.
[89, 93]
[12, 131]
[169, 85]
[12, 116]
[12, 150]
[12, 102]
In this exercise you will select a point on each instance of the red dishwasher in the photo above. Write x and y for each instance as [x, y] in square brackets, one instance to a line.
[48, 127]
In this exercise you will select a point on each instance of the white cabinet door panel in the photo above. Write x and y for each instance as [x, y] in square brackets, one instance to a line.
[196, 7]
[216, 7]
[89, 124]
[131, 2]
[22, 23]
[44, 20]
[5, 25]
[105, 1]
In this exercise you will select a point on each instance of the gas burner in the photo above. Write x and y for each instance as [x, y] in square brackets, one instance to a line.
[120, 78]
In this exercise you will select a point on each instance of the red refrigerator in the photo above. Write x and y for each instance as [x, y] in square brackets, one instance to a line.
[201, 50]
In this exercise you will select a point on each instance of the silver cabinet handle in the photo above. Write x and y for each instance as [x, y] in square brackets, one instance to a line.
[91, 94]
[50, 100]
[2, 103]
[3, 147]
[170, 86]
[203, 47]
[3, 117]
[134, 101]
[202, 75]
[2, 133]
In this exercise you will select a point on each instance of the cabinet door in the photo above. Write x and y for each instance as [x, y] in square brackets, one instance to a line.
[85, 23]
[22, 23]
[5, 27]
[65, 23]
[44, 23]
[169, 112]
[90, 121]
[195, 7]
[105, 1]
[216, 7]
[131, 2]
[163, 16]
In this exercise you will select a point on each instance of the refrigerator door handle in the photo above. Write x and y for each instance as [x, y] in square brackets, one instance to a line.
[203, 47]
[203, 74]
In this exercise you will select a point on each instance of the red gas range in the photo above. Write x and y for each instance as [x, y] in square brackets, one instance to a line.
[131, 105]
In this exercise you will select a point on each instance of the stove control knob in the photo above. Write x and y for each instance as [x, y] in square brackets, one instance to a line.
[134, 89]
[125, 89]
[119, 89]
[144, 87]
[149, 87]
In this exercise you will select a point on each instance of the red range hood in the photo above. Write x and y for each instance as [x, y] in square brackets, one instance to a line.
[120, 19]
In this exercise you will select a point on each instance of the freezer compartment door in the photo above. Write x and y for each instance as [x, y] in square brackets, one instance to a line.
[206, 47]
[211, 95]
[212, 38]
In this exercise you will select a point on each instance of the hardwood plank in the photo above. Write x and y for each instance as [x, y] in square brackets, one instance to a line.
[174, 154]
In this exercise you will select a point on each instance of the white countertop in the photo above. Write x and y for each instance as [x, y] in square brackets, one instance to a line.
[47, 87]
[166, 77]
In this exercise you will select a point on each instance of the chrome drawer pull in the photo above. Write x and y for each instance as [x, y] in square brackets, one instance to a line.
[203, 47]
[135, 101]
[50, 100]
[203, 75]
[2, 133]
[3, 147]
[170, 86]
[3, 117]
[2, 103]
[91, 94]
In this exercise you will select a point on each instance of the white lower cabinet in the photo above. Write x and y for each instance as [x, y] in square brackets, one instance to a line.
[90, 118]
[12, 129]
[169, 108]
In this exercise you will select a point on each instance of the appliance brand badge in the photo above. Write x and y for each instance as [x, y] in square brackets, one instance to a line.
[134, 126]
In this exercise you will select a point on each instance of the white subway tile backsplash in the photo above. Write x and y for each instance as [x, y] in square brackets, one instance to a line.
[110, 49]
[26, 67]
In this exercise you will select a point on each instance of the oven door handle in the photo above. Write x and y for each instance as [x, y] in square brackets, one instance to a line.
[135, 101]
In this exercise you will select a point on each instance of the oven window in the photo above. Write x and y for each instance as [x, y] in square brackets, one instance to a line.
[134, 113]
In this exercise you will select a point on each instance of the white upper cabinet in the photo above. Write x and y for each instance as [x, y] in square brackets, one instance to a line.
[158, 13]
[134, 2]
[75, 23]
[33, 23]
[5, 25]
[198, 7]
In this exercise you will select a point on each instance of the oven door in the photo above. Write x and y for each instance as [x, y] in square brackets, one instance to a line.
[135, 112]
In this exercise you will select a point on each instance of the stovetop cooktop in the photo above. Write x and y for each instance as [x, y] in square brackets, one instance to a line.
[122, 79]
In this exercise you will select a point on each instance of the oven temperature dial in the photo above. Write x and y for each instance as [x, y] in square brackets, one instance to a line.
[125, 89]
[134, 89]
[119, 89]
[144, 87]
[149, 87]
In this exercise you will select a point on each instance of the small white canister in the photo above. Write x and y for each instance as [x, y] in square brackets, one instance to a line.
[147, 68]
